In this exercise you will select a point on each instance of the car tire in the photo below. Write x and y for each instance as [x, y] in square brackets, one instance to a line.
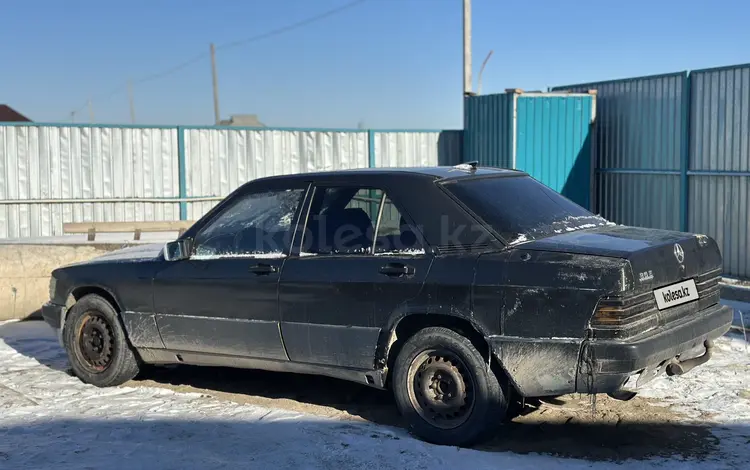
[96, 344]
[445, 389]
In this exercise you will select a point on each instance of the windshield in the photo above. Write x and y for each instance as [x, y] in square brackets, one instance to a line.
[521, 209]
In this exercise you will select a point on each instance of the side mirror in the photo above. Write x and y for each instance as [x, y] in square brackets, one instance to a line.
[178, 250]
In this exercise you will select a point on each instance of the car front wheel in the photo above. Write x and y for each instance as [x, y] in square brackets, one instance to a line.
[97, 348]
[446, 390]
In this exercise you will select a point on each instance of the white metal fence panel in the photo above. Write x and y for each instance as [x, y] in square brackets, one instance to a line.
[52, 174]
[220, 160]
[413, 149]
[57, 174]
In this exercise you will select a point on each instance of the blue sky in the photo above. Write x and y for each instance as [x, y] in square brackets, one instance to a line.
[386, 63]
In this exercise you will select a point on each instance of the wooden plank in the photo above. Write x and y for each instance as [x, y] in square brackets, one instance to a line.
[120, 227]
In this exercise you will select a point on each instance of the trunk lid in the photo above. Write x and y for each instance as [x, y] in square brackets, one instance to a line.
[657, 257]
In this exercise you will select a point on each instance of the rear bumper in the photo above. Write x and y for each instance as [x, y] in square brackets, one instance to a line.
[606, 365]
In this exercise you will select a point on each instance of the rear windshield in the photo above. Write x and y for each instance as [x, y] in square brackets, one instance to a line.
[521, 209]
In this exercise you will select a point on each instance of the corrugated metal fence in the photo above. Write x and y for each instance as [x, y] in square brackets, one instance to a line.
[46, 172]
[52, 174]
[547, 135]
[673, 152]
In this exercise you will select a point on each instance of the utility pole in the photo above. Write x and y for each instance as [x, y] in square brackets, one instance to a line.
[217, 114]
[73, 116]
[467, 47]
[91, 112]
[132, 103]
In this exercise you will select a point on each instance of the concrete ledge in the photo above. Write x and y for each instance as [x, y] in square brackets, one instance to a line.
[734, 290]
[25, 271]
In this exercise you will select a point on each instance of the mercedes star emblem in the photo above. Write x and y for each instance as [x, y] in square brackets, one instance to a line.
[679, 253]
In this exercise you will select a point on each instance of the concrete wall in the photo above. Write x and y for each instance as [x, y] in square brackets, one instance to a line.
[25, 271]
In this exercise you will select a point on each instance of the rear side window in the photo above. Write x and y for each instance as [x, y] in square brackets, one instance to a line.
[520, 209]
[353, 220]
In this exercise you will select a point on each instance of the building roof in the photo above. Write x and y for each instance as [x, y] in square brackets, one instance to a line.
[242, 120]
[8, 114]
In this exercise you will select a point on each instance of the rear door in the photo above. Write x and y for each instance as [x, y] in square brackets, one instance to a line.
[224, 299]
[359, 260]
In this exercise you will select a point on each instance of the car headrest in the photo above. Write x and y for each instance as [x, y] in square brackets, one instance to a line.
[408, 237]
[351, 226]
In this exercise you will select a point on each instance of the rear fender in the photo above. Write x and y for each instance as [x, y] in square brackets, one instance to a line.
[543, 303]
[540, 366]
[448, 316]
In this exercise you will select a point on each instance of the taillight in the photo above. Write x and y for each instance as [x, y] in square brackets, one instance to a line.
[616, 311]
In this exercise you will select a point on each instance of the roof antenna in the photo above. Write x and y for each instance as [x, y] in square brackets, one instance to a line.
[467, 166]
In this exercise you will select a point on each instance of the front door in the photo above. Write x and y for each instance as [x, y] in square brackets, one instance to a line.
[359, 261]
[224, 299]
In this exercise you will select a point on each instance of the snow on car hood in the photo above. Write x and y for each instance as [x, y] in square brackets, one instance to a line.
[130, 254]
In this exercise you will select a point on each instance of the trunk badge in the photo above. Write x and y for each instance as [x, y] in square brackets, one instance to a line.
[679, 253]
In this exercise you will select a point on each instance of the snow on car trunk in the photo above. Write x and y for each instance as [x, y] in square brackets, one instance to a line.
[49, 419]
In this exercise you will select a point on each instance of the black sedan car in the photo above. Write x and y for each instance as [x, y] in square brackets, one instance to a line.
[461, 289]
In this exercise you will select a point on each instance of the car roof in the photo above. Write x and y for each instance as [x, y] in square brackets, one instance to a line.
[433, 172]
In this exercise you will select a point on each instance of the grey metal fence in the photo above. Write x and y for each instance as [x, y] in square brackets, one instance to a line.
[719, 171]
[673, 152]
[639, 148]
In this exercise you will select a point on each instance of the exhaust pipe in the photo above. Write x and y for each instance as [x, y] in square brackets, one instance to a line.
[622, 394]
[677, 367]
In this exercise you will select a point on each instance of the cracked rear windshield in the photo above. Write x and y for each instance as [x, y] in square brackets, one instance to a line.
[521, 209]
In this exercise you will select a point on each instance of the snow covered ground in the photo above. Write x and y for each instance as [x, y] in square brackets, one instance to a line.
[49, 419]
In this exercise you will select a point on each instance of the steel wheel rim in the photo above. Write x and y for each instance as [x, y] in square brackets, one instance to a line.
[95, 345]
[441, 389]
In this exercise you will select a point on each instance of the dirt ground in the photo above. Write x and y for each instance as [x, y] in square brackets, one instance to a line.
[570, 426]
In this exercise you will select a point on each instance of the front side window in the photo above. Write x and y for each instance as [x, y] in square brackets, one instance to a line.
[349, 220]
[257, 225]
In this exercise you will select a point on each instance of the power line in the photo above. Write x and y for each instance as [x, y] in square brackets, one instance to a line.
[292, 26]
[229, 45]
[170, 71]
[101, 96]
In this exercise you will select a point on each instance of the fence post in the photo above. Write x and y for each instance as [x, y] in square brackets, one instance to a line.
[371, 163]
[371, 148]
[182, 172]
[685, 153]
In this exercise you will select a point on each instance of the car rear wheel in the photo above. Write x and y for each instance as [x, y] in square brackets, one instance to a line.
[445, 390]
[95, 341]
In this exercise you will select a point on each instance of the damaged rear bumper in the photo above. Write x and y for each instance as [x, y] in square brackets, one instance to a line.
[606, 365]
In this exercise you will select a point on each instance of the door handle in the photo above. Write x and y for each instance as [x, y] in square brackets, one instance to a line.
[263, 269]
[397, 269]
